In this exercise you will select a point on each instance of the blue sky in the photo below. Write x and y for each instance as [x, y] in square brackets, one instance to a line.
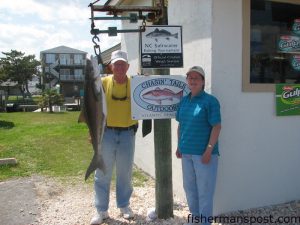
[31, 26]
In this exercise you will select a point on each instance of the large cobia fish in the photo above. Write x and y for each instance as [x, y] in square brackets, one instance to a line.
[94, 112]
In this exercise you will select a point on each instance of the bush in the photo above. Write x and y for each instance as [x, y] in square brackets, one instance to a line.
[50, 98]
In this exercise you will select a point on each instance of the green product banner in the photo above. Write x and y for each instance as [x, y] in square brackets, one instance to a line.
[287, 99]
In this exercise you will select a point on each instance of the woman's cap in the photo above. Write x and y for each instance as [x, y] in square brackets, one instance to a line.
[118, 55]
[197, 69]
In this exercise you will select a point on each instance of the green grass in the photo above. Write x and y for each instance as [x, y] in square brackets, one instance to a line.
[14, 97]
[50, 144]
[19, 99]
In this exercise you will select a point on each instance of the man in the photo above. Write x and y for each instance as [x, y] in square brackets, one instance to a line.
[118, 141]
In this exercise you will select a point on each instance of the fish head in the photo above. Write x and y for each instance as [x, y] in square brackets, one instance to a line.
[93, 69]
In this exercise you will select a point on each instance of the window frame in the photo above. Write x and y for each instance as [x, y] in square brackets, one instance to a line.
[64, 59]
[246, 85]
[65, 72]
[50, 58]
[78, 59]
[78, 72]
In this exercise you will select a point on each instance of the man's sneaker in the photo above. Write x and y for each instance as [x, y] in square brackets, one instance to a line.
[126, 212]
[99, 217]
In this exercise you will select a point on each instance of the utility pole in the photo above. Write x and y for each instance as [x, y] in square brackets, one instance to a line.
[163, 150]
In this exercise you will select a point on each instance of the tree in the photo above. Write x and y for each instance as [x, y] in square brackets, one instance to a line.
[3, 75]
[18, 67]
[50, 98]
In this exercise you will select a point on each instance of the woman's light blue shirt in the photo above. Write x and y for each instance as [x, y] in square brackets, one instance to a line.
[196, 117]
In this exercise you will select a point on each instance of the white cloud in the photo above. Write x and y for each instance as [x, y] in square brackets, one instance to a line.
[20, 38]
[73, 14]
[32, 26]
[21, 8]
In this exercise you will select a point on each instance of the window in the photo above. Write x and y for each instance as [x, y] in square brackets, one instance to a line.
[271, 36]
[78, 59]
[78, 72]
[64, 72]
[50, 58]
[64, 59]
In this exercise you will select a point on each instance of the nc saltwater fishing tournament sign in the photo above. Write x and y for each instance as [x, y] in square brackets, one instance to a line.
[161, 47]
[156, 97]
[287, 99]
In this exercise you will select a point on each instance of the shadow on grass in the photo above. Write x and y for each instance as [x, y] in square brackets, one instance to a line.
[6, 124]
[8, 166]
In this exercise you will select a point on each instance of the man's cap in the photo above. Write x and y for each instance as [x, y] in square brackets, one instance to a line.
[118, 55]
[197, 69]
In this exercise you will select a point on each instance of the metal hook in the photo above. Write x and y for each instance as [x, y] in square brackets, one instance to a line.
[97, 49]
[94, 41]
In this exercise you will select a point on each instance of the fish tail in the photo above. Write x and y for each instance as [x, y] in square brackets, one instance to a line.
[179, 94]
[96, 163]
[176, 35]
[81, 118]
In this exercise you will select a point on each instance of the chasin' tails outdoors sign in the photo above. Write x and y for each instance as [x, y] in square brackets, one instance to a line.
[287, 99]
[161, 47]
[156, 97]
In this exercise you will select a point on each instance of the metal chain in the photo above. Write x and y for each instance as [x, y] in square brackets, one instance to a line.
[144, 22]
[95, 38]
[143, 25]
[97, 50]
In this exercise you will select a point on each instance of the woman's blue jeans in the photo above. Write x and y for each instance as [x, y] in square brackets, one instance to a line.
[199, 181]
[117, 149]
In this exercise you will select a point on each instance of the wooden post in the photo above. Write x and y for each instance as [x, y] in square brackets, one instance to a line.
[163, 152]
[8, 161]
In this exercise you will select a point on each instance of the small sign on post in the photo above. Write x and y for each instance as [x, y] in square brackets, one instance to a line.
[161, 47]
[156, 97]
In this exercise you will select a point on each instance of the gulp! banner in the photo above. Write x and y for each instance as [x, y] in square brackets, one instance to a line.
[287, 99]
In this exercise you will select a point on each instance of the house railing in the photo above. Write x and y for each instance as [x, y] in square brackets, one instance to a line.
[71, 78]
[71, 62]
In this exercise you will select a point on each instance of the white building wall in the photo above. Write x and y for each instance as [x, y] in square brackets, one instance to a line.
[259, 152]
[258, 165]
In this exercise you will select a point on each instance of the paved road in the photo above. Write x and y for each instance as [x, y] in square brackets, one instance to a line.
[18, 205]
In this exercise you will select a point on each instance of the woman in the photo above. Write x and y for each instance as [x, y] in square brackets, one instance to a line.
[198, 131]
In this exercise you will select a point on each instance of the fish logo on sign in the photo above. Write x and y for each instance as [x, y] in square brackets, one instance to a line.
[158, 95]
[159, 34]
